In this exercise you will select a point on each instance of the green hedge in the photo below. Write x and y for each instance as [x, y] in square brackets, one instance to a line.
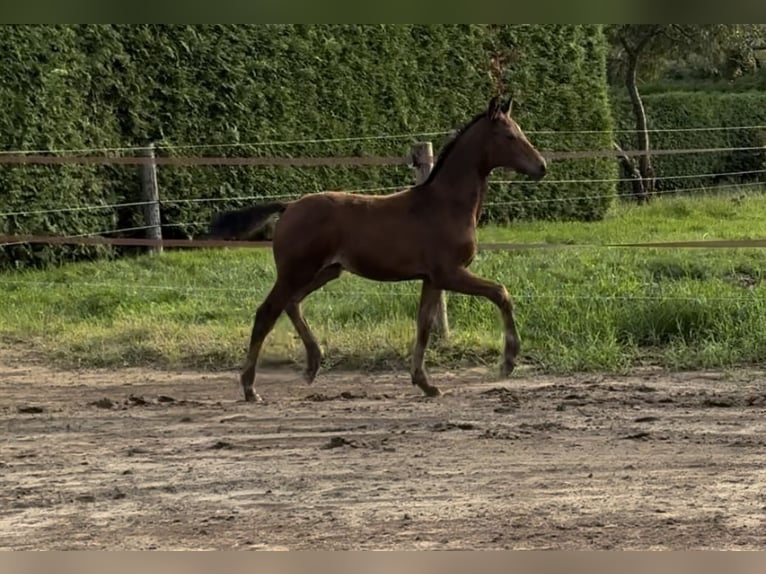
[700, 109]
[559, 79]
[44, 104]
[127, 85]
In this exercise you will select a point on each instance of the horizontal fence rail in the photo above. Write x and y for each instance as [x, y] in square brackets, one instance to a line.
[6, 240]
[527, 200]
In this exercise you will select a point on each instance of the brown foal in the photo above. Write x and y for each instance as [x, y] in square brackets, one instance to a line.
[426, 233]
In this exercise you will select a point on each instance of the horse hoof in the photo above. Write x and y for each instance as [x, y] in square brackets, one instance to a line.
[309, 376]
[252, 397]
[507, 369]
[431, 391]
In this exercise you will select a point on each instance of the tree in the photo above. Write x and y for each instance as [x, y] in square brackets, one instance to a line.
[642, 48]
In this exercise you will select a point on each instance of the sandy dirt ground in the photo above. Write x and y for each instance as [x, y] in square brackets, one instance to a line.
[142, 459]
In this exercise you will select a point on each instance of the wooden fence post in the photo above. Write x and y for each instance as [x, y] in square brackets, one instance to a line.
[151, 196]
[423, 160]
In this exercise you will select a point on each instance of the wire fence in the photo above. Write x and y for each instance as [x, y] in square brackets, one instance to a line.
[413, 293]
[370, 190]
[749, 297]
[33, 156]
[96, 238]
[370, 137]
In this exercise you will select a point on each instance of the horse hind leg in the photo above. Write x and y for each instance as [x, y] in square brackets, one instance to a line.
[293, 310]
[429, 299]
[265, 318]
[313, 351]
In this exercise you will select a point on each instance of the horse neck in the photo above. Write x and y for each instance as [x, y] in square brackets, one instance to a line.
[462, 178]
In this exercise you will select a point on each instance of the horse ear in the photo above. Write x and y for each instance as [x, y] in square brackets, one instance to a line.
[508, 106]
[494, 106]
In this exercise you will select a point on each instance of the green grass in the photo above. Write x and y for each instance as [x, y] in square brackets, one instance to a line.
[578, 308]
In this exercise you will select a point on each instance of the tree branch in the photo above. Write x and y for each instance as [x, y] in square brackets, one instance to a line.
[682, 31]
[653, 33]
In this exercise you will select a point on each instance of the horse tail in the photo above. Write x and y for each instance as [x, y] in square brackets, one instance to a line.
[245, 222]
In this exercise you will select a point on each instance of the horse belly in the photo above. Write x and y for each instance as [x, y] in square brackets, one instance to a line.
[379, 265]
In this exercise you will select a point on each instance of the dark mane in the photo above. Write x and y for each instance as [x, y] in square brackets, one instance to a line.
[449, 146]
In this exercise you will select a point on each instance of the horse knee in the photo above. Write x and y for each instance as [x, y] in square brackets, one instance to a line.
[502, 299]
[272, 306]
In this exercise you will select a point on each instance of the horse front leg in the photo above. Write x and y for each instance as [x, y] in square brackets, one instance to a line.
[460, 280]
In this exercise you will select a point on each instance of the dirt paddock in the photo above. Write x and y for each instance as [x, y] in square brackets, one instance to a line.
[141, 459]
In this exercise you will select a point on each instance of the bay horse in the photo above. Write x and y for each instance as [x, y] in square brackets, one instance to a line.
[426, 232]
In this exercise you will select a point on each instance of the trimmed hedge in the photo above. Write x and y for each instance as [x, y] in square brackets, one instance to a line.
[700, 109]
[126, 85]
[561, 79]
[44, 98]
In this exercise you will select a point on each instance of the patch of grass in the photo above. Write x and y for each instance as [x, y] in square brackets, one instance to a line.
[578, 308]
[731, 214]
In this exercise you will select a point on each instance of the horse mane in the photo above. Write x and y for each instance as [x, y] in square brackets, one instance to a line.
[450, 146]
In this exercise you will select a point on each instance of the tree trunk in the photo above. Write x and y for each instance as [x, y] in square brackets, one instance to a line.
[642, 132]
[631, 173]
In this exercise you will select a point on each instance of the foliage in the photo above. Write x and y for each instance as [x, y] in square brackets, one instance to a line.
[685, 83]
[206, 86]
[712, 50]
